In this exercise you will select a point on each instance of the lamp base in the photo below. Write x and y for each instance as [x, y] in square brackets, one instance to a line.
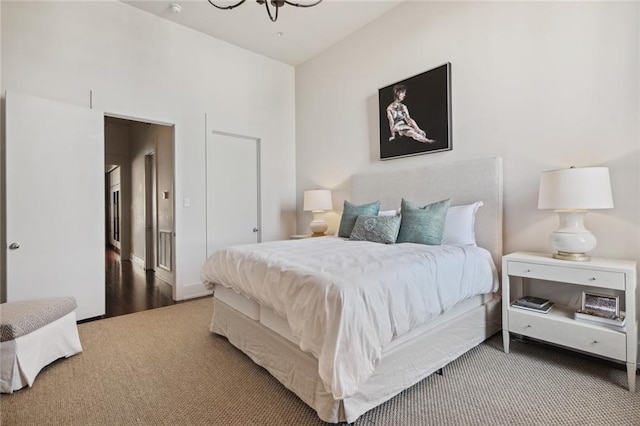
[572, 240]
[574, 257]
[318, 226]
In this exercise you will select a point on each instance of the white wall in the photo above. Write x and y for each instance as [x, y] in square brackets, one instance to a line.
[140, 66]
[544, 85]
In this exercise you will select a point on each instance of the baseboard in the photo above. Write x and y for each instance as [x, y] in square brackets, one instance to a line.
[137, 261]
[165, 275]
[191, 291]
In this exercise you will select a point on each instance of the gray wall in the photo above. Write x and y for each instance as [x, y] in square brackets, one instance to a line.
[147, 139]
[117, 143]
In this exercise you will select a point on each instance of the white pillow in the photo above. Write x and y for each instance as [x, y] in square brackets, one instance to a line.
[459, 227]
[388, 213]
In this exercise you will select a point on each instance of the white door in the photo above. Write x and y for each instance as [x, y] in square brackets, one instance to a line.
[233, 197]
[55, 202]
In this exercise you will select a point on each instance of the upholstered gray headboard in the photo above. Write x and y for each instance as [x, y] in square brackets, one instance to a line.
[463, 182]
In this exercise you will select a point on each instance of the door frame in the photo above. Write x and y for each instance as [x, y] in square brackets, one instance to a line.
[125, 201]
[114, 215]
[173, 182]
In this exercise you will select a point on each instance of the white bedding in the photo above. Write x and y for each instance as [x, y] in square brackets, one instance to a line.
[345, 300]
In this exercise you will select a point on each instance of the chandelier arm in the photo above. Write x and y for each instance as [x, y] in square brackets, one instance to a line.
[303, 5]
[273, 19]
[226, 7]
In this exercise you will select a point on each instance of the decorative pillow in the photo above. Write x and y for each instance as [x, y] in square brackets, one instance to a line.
[377, 229]
[351, 212]
[422, 225]
[459, 228]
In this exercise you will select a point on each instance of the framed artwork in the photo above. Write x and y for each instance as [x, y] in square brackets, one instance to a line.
[415, 114]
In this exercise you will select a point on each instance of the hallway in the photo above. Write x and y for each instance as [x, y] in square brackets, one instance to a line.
[129, 289]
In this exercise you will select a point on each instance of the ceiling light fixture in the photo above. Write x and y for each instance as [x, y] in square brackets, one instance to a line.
[276, 4]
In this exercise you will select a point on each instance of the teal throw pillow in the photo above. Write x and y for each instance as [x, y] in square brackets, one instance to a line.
[377, 229]
[422, 225]
[350, 213]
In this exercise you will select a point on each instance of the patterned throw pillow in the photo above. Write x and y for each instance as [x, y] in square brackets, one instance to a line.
[377, 229]
[422, 225]
[351, 212]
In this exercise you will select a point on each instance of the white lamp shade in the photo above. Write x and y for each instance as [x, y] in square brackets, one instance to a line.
[318, 199]
[583, 188]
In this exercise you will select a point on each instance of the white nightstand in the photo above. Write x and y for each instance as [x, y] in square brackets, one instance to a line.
[558, 326]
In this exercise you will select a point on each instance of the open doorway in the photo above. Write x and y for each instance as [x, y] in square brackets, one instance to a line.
[139, 196]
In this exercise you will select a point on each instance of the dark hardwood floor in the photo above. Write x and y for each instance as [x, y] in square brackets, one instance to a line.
[129, 289]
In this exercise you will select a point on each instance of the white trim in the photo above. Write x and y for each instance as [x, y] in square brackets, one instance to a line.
[139, 262]
[191, 291]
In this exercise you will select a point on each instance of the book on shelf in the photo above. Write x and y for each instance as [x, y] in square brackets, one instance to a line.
[617, 321]
[533, 302]
[543, 309]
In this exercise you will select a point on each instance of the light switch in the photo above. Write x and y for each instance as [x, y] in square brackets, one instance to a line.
[187, 202]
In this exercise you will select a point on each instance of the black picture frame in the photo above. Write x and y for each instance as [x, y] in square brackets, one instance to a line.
[427, 101]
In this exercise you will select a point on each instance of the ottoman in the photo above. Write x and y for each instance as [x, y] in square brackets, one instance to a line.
[33, 334]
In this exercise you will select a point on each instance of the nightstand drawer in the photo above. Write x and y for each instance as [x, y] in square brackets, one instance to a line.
[590, 277]
[569, 333]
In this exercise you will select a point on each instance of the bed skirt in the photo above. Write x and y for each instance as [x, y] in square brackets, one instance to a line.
[401, 366]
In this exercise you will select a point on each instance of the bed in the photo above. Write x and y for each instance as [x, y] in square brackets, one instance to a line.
[345, 324]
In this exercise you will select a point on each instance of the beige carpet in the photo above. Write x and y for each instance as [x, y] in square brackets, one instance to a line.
[163, 367]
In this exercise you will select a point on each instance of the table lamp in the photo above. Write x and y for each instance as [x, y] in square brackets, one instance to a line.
[571, 192]
[317, 201]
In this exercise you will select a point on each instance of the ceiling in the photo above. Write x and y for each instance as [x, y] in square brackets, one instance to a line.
[298, 34]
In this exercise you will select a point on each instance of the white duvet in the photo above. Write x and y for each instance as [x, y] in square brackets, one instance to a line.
[345, 300]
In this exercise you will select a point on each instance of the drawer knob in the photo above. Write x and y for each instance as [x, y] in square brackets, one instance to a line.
[592, 279]
[595, 341]
[528, 326]
[527, 270]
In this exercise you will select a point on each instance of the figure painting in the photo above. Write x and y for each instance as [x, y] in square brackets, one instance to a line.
[415, 114]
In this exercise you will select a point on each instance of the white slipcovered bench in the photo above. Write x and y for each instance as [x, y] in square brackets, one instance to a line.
[33, 334]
